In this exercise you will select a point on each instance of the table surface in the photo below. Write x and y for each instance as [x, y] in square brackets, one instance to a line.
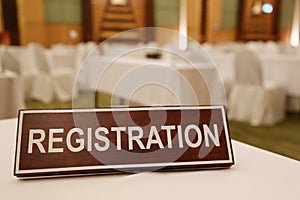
[257, 174]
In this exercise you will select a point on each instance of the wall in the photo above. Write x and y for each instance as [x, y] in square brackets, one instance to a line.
[166, 13]
[230, 19]
[213, 21]
[1, 17]
[51, 21]
[229, 14]
[31, 21]
[62, 21]
[286, 15]
[62, 12]
[194, 18]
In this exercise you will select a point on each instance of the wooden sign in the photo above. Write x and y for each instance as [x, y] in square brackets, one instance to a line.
[111, 140]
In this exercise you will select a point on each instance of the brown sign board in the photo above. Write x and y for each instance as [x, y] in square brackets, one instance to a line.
[112, 140]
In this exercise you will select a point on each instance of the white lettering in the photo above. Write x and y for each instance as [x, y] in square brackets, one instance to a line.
[118, 130]
[52, 139]
[187, 138]
[102, 138]
[179, 133]
[89, 141]
[154, 132]
[37, 141]
[136, 138]
[79, 141]
[214, 138]
[169, 138]
[99, 140]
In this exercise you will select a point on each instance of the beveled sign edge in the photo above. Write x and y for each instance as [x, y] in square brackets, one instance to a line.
[67, 171]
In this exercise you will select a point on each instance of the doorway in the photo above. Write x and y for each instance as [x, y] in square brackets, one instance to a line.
[258, 20]
[102, 19]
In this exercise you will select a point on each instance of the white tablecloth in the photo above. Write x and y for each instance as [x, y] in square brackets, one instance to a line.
[153, 81]
[11, 99]
[283, 69]
[258, 174]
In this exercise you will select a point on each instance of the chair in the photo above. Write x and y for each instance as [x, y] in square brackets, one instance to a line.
[52, 83]
[251, 100]
[90, 45]
[18, 60]
[79, 55]
[9, 62]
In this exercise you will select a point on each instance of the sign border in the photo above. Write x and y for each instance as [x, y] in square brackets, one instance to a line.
[25, 173]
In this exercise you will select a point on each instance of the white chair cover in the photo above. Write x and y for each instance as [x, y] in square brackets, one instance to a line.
[247, 68]
[19, 61]
[79, 55]
[9, 62]
[52, 83]
[250, 99]
[90, 46]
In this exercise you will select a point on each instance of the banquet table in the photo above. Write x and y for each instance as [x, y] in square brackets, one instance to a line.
[257, 174]
[153, 81]
[281, 68]
[11, 95]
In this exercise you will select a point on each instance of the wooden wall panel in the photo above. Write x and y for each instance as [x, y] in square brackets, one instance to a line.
[1, 17]
[97, 9]
[285, 36]
[225, 35]
[139, 9]
[210, 15]
[61, 33]
[31, 21]
[194, 8]
[33, 27]
[214, 19]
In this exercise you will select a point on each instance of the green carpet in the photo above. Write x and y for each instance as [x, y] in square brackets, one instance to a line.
[284, 138]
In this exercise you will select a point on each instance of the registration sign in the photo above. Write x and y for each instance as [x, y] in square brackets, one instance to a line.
[112, 140]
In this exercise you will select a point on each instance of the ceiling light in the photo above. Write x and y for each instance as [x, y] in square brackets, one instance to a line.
[267, 8]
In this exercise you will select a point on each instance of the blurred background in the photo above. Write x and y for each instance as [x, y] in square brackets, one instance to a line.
[253, 43]
[74, 21]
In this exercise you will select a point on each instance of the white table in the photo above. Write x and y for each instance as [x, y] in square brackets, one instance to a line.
[11, 95]
[258, 174]
[153, 81]
[283, 69]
